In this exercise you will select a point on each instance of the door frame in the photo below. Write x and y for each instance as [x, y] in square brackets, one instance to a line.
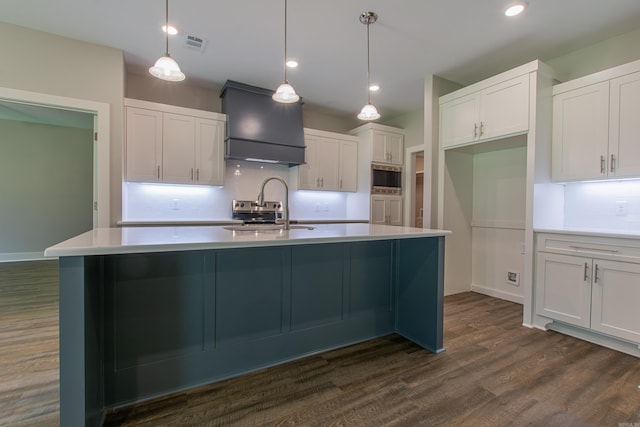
[101, 143]
[410, 186]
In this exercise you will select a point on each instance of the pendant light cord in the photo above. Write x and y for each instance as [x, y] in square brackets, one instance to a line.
[166, 27]
[285, 42]
[368, 64]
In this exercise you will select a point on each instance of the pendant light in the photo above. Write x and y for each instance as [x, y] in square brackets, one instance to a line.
[369, 111]
[165, 67]
[285, 93]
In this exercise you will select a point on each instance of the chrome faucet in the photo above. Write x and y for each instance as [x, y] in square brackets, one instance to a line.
[260, 200]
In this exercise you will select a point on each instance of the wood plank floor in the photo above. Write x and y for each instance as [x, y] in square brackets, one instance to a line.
[493, 373]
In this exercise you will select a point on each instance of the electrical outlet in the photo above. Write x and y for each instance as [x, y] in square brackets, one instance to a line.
[621, 208]
[513, 278]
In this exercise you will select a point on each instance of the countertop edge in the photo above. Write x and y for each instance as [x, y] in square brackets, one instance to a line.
[71, 248]
[620, 234]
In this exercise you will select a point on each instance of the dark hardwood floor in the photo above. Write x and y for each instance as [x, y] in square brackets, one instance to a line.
[494, 373]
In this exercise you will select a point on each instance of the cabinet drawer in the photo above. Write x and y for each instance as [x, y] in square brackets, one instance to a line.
[601, 247]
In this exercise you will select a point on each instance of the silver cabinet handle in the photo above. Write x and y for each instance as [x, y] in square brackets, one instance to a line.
[595, 280]
[198, 174]
[475, 130]
[191, 174]
[584, 278]
[318, 182]
[322, 182]
[340, 182]
[158, 172]
[602, 164]
[612, 163]
[481, 128]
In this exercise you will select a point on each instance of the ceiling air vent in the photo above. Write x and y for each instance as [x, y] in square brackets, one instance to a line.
[195, 42]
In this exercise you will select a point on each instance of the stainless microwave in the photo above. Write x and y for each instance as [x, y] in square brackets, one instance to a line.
[386, 179]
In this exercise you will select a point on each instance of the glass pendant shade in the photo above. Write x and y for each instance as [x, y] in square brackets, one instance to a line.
[285, 94]
[369, 112]
[166, 68]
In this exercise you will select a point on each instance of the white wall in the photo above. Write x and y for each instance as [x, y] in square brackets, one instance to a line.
[46, 183]
[159, 202]
[499, 184]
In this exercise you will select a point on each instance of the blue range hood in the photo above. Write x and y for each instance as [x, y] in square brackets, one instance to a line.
[260, 129]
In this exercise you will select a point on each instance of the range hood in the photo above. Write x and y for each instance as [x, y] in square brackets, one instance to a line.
[260, 129]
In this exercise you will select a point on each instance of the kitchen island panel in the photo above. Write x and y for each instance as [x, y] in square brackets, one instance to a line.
[249, 289]
[317, 285]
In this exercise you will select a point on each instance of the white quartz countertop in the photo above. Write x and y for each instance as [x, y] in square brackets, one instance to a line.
[596, 232]
[187, 222]
[125, 240]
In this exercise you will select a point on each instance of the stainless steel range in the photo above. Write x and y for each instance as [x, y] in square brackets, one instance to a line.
[251, 212]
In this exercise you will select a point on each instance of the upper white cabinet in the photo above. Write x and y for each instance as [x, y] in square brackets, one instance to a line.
[380, 144]
[595, 126]
[387, 147]
[480, 113]
[331, 162]
[173, 144]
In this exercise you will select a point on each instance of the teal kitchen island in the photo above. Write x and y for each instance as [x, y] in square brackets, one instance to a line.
[150, 311]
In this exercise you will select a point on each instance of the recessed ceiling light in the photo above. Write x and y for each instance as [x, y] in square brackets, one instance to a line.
[374, 88]
[172, 30]
[515, 8]
[292, 64]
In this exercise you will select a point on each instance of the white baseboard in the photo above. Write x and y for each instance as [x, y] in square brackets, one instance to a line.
[23, 256]
[498, 294]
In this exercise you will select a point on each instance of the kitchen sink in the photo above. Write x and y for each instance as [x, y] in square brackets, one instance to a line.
[265, 227]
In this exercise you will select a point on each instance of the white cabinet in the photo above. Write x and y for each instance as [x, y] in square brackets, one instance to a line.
[624, 126]
[387, 147]
[580, 132]
[595, 127]
[331, 162]
[386, 210]
[183, 147]
[502, 109]
[143, 144]
[581, 281]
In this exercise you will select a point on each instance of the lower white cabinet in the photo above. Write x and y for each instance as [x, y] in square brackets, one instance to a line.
[386, 210]
[583, 281]
[331, 162]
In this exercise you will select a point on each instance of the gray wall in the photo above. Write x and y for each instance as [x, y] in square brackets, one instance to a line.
[46, 185]
[45, 63]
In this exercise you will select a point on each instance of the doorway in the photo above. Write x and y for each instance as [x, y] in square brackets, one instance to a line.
[414, 188]
[55, 152]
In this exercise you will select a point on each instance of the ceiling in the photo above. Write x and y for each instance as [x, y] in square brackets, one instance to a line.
[460, 40]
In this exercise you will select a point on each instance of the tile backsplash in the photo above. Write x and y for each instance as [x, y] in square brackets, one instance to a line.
[612, 205]
[158, 202]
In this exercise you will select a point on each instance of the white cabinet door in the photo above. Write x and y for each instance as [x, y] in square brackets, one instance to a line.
[624, 127]
[308, 173]
[504, 108]
[329, 161]
[378, 210]
[580, 133]
[178, 149]
[387, 148]
[459, 121]
[348, 166]
[563, 290]
[143, 144]
[209, 152]
[616, 295]
[395, 210]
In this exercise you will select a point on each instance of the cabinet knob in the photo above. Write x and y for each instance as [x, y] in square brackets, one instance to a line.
[481, 128]
[602, 168]
[584, 278]
[475, 130]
